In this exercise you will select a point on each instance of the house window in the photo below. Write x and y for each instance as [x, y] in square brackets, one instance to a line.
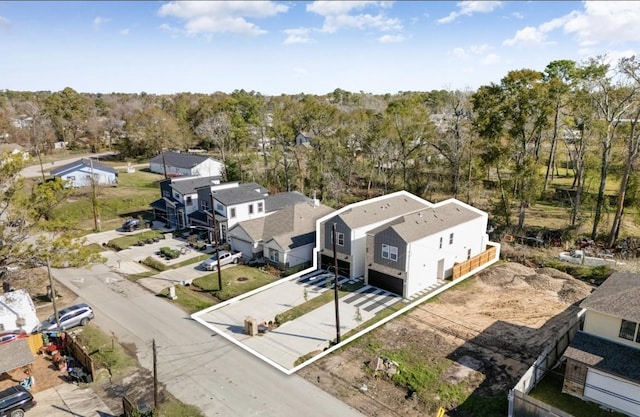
[627, 329]
[274, 255]
[440, 247]
[219, 207]
[260, 207]
[189, 200]
[340, 237]
[232, 213]
[166, 193]
[451, 239]
[468, 254]
[204, 205]
[250, 208]
[389, 252]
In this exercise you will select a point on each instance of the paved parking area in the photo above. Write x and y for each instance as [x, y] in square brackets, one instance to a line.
[69, 400]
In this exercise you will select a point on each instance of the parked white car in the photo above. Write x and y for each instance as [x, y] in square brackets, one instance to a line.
[226, 258]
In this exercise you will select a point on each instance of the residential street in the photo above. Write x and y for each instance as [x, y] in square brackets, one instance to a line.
[197, 366]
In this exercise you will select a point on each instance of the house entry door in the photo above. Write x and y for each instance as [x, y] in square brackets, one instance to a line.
[440, 269]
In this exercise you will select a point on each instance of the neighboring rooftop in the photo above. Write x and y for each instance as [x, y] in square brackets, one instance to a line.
[605, 355]
[381, 208]
[243, 193]
[178, 159]
[618, 296]
[189, 185]
[279, 201]
[416, 225]
[83, 163]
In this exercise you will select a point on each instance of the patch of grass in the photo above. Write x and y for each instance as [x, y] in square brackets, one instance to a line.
[125, 242]
[191, 261]
[549, 390]
[189, 300]
[593, 274]
[232, 286]
[109, 354]
[177, 409]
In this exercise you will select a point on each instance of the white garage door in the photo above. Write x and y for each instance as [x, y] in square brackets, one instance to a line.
[241, 246]
[614, 392]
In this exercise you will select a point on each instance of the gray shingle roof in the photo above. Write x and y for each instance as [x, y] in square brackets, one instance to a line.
[285, 199]
[243, 193]
[191, 184]
[605, 355]
[422, 223]
[82, 163]
[180, 160]
[376, 211]
[14, 355]
[618, 296]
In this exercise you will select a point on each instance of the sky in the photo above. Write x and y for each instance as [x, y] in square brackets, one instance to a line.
[291, 47]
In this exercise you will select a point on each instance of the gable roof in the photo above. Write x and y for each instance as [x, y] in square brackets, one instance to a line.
[14, 355]
[178, 159]
[381, 208]
[294, 226]
[426, 222]
[80, 164]
[618, 296]
[279, 201]
[599, 353]
[243, 193]
[189, 185]
[16, 304]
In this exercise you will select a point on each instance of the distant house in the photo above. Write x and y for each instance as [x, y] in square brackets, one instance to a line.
[174, 164]
[80, 173]
[303, 138]
[285, 236]
[179, 199]
[603, 360]
[14, 149]
[17, 312]
[416, 250]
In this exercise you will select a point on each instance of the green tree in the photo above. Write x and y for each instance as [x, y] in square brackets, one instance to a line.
[68, 111]
[150, 132]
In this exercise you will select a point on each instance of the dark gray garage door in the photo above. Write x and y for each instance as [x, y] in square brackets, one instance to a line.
[386, 282]
[344, 267]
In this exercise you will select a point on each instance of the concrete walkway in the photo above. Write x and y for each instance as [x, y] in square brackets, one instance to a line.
[67, 400]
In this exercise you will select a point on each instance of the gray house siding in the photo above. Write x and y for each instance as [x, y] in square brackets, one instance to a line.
[390, 237]
[341, 227]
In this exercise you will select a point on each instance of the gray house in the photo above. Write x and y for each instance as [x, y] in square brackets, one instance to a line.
[80, 173]
[419, 249]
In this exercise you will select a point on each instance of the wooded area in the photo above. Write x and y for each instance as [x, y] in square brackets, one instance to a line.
[499, 148]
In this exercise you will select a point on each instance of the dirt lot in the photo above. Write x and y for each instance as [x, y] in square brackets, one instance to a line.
[475, 341]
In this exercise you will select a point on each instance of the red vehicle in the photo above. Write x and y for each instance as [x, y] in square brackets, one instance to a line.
[7, 337]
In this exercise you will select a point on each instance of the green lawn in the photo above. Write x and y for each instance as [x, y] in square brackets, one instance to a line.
[190, 299]
[236, 280]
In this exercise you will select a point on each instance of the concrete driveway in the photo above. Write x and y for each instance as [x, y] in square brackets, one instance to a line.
[67, 400]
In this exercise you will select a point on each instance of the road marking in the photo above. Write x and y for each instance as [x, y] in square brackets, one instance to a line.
[109, 280]
[79, 280]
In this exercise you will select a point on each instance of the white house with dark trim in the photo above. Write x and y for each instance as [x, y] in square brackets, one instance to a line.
[173, 164]
[416, 250]
[80, 173]
[603, 360]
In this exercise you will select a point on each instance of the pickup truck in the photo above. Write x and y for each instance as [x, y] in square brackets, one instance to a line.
[578, 257]
[226, 258]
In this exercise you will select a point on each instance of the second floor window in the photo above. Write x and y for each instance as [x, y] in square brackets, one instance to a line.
[260, 207]
[627, 329]
[189, 201]
[390, 252]
[339, 238]
[451, 239]
[250, 208]
[166, 193]
[232, 213]
[440, 247]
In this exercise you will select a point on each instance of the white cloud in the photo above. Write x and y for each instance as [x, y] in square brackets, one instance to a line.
[4, 23]
[124, 32]
[526, 37]
[338, 15]
[300, 35]
[462, 53]
[491, 59]
[468, 8]
[458, 53]
[99, 21]
[517, 15]
[391, 38]
[221, 16]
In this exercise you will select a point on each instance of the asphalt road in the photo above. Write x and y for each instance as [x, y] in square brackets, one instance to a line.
[197, 366]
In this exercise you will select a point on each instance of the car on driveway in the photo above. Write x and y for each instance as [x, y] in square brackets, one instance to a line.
[226, 258]
[6, 337]
[72, 316]
[14, 401]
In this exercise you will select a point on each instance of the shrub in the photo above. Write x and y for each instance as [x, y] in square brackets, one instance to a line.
[151, 262]
[169, 253]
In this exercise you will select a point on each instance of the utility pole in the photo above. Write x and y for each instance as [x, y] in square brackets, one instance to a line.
[335, 287]
[216, 241]
[155, 377]
[94, 199]
[53, 294]
[164, 166]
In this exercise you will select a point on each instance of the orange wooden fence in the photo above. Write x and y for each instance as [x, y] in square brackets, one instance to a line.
[471, 264]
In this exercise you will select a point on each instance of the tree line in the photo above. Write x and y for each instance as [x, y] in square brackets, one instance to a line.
[511, 136]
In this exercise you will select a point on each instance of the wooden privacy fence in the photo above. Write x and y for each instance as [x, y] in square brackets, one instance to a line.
[473, 263]
[82, 356]
[35, 342]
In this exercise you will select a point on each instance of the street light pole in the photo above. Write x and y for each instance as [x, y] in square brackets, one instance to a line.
[216, 241]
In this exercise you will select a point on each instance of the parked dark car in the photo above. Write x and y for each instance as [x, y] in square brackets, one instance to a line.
[130, 225]
[14, 401]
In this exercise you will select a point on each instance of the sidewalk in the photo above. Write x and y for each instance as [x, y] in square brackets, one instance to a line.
[69, 400]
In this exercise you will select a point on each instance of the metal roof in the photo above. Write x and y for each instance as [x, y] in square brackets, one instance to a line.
[178, 159]
[80, 164]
